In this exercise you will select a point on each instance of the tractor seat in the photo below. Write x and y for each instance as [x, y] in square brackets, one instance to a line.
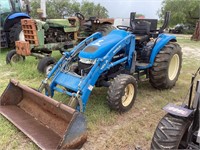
[101, 46]
[142, 30]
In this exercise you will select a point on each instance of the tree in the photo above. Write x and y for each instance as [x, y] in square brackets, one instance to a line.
[89, 9]
[196, 34]
[34, 5]
[56, 8]
[180, 11]
[62, 8]
[65, 8]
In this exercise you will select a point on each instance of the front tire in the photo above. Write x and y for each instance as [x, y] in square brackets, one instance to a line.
[122, 93]
[170, 133]
[13, 57]
[166, 68]
[46, 64]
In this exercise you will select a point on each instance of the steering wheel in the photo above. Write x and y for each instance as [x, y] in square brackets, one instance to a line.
[80, 16]
[126, 28]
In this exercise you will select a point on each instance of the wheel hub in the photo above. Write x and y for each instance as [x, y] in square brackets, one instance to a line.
[128, 95]
[173, 67]
[48, 69]
[16, 58]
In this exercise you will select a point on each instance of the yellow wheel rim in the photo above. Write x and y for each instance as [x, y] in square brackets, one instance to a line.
[128, 95]
[173, 67]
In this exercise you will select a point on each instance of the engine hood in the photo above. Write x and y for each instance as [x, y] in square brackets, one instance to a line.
[101, 46]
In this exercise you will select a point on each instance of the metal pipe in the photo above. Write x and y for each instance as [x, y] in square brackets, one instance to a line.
[191, 90]
[37, 55]
[117, 62]
[64, 91]
[43, 8]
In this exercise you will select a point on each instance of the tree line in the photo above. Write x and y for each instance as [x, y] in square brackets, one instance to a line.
[182, 11]
[64, 8]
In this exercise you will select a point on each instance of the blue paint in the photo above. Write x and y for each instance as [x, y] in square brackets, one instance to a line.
[103, 45]
[162, 40]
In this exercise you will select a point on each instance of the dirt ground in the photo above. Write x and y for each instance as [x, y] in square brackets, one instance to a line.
[134, 129]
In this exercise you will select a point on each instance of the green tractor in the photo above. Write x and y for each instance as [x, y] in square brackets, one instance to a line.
[10, 29]
[42, 37]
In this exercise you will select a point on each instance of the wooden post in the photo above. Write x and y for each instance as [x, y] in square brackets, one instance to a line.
[196, 34]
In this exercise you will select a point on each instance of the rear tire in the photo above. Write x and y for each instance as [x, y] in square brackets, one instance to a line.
[46, 64]
[170, 133]
[16, 34]
[122, 93]
[105, 29]
[166, 68]
[13, 57]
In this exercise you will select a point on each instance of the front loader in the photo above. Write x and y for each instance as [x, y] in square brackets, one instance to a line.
[116, 61]
[48, 123]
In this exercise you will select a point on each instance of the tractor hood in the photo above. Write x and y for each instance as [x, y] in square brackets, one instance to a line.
[100, 47]
[58, 22]
[70, 24]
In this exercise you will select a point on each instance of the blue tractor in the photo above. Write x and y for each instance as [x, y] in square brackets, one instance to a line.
[117, 61]
[11, 14]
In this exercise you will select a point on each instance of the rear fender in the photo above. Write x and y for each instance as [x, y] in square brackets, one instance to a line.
[178, 110]
[16, 15]
[13, 19]
[162, 40]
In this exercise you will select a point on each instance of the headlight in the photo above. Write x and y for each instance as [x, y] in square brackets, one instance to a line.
[87, 61]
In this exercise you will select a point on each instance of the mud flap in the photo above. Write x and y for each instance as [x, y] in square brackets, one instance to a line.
[177, 110]
[48, 123]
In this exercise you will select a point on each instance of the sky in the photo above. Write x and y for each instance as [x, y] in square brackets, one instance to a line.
[122, 8]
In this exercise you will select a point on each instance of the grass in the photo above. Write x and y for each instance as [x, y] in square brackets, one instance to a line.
[107, 129]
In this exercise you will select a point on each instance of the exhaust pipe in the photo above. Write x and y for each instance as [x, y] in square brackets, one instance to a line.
[48, 123]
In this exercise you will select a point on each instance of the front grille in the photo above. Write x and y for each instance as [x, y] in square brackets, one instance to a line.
[30, 31]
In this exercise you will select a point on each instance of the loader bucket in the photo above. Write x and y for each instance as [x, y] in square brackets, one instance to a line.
[48, 123]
